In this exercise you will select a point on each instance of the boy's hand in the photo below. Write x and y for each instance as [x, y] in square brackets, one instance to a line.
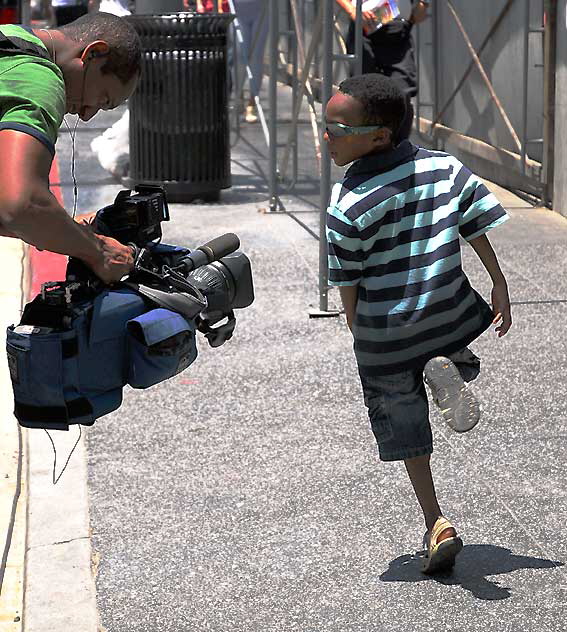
[501, 309]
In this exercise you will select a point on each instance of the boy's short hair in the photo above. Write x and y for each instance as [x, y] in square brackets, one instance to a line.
[382, 99]
[124, 56]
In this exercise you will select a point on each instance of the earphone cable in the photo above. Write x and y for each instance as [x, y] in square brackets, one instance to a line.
[72, 134]
[56, 480]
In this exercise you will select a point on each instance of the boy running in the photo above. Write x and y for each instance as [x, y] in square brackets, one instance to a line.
[393, 229]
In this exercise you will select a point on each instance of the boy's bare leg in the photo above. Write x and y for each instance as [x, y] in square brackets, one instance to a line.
[419, 473]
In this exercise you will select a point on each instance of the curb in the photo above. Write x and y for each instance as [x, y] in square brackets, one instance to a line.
[50, 587]
[13, 452]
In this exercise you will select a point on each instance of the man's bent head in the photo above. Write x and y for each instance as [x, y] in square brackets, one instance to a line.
[106, 68]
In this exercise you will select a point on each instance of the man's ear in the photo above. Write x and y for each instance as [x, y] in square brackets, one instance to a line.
[94, 50]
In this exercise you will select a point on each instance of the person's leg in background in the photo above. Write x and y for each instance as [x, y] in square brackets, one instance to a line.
[253, 20]
[242, 37]
[368, 61]
[69, 12]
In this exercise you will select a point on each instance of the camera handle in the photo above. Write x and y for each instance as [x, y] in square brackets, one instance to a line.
[217, 336]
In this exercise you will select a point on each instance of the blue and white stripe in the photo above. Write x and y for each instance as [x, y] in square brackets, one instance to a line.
[393, 228]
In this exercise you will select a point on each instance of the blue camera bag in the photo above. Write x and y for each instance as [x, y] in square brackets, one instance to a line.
[77, 375]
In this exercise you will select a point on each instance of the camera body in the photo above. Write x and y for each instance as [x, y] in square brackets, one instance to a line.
[79, 342]
[135, 218]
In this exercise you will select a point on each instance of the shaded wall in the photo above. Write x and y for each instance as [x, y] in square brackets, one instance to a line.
[473, 111]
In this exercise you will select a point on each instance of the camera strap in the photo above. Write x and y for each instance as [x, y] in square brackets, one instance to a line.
[189, 305]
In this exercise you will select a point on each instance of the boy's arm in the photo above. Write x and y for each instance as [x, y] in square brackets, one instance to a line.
[349, 297]
[500, 298]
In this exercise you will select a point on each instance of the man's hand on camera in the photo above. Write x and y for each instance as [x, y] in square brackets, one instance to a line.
[116, 260]
[86, 219]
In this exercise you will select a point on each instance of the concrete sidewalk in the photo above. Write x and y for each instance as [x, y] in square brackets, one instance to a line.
[266, 508]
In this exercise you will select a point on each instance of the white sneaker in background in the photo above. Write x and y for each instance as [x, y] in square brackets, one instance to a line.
[250, 115]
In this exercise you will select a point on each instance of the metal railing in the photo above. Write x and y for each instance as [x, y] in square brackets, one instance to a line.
[310, 59]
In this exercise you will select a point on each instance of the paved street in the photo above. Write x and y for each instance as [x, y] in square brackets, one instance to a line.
[246, 495]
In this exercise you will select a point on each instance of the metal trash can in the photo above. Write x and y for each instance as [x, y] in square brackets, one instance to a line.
[179, 125]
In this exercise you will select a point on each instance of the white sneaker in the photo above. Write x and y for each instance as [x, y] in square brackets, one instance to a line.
[457, 404]
[250, 115]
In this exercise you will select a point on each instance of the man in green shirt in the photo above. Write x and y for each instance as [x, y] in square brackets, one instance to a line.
[81, 68]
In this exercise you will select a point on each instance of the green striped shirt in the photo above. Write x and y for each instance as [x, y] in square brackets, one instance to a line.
[32, 91]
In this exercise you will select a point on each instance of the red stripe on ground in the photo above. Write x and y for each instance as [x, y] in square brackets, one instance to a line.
[47, 266]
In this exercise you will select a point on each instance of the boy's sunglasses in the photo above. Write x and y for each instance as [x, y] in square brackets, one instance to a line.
[338, 130]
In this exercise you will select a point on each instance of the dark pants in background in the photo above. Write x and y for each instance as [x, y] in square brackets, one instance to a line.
[389, 52]
[66, 14]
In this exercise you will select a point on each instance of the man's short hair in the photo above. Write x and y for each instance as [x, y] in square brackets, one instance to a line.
[382, 100]
[124, 55]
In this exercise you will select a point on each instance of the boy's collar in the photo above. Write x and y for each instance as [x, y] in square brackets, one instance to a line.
[382, 161]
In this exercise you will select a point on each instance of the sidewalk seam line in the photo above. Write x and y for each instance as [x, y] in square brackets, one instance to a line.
[44, 546]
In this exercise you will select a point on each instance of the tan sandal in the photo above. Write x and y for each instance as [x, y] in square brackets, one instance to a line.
[441, 554]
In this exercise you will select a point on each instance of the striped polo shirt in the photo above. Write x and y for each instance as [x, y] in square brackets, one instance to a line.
[32, 88]
[393, 228]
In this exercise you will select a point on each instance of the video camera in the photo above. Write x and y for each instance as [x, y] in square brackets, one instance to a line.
[79, 341]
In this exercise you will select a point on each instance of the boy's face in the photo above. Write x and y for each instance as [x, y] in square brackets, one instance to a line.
[91, 90]
[342, 108]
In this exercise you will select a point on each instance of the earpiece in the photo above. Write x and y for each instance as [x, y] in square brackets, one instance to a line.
[94, 54]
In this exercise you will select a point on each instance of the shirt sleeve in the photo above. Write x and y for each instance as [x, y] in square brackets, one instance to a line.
[345, 253]
[32, 99]
[479, 210]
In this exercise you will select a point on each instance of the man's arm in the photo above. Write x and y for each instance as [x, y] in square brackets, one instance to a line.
[87, 220]
[349, 297]
[500, 298]
[348, 7]
[28, 210]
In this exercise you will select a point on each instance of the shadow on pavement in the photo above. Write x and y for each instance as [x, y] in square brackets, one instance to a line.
[475, 563]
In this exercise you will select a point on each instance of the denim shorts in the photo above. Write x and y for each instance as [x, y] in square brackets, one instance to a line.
[399, 411]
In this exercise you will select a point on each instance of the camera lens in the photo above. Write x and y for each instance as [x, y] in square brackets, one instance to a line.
[216, 283]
